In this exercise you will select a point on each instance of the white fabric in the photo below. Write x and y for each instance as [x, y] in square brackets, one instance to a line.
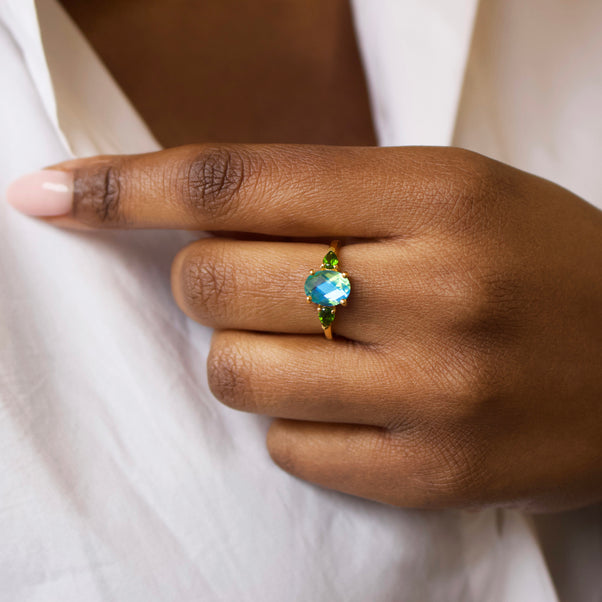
[121, 478]
[415, 55]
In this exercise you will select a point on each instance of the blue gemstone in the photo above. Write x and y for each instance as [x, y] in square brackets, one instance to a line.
[327, 287]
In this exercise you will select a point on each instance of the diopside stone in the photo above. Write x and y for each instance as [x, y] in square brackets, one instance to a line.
[326, 316]
[330, 260]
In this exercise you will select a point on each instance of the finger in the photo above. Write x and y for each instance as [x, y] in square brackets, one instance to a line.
[284, 190]
[369, 462]
[305, 378]
[250, 285]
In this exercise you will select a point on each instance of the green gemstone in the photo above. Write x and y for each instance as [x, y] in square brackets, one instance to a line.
[326, 316]
[330, 260]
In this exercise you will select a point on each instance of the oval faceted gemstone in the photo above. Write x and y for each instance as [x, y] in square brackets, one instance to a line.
[327, 287]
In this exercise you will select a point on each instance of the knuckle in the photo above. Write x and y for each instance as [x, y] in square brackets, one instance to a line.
[464, 291]
[455, 473]
[483, 299]
[473, 171]
[473, 166]
[477, 382]
[205, 285]
[97, 194]
[482, 322]
[469, 386]
[229, 375]
[490, 308]
[474, 186]
[479, 359]
[215, 178]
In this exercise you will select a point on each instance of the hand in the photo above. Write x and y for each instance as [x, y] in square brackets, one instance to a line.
[466, 369]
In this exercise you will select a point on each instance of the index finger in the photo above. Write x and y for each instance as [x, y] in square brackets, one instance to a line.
[287, 190]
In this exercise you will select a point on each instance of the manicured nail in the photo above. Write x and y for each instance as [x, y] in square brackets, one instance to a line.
[43, 193]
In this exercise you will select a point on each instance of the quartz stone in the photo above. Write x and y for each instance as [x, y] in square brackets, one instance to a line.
[326, 315]
[327, 287]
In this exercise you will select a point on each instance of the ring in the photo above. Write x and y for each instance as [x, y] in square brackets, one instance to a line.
[328, 287]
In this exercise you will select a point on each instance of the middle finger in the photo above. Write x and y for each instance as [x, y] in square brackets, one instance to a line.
[251, 285]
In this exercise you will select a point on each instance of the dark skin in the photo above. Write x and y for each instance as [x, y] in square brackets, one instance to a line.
[251, 71]
[467, 367]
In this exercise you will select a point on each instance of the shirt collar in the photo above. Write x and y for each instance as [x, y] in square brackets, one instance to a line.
[88, 110]
[415, 56]
[21, 20]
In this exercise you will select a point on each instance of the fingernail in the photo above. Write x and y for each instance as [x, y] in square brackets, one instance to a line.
[43, 193]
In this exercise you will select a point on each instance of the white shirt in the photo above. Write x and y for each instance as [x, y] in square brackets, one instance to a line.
[121, 478]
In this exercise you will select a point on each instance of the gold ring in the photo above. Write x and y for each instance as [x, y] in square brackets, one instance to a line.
[328, 287]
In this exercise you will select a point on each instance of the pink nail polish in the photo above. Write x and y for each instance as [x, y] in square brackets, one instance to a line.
[43, 193]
